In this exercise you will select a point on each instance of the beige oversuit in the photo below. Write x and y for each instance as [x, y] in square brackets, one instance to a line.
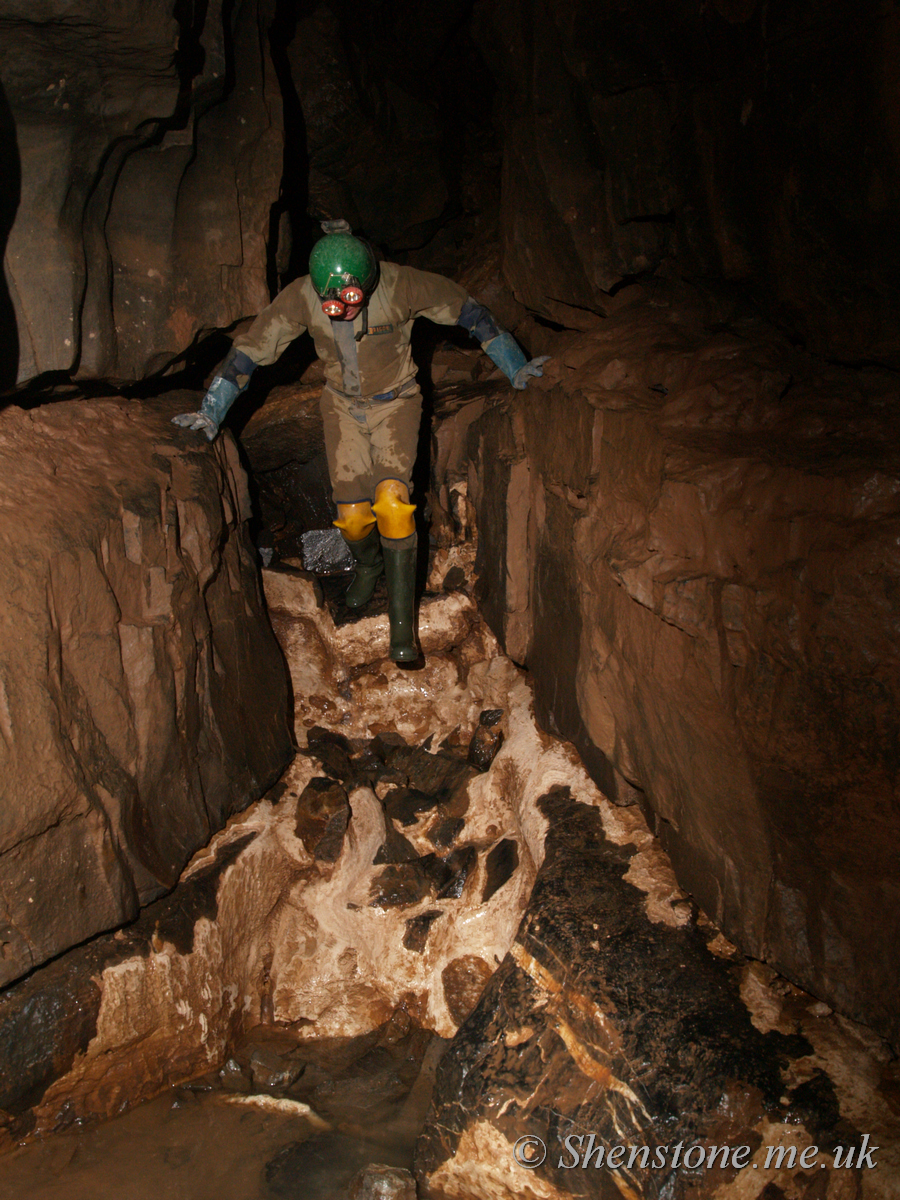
[371, 405]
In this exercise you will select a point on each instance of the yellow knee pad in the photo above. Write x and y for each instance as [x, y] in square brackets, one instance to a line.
[393, 509]
[355, 520]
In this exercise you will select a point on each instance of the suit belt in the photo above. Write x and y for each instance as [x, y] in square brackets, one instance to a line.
[380, 397]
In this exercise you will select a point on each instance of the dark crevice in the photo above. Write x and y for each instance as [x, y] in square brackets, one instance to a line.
[291, 232]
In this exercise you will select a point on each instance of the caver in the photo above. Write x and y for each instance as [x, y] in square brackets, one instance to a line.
[360, 313]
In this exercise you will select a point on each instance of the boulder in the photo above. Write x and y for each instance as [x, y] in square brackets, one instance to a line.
[143, 698]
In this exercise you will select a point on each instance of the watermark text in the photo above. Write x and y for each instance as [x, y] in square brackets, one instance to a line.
[585, 1150]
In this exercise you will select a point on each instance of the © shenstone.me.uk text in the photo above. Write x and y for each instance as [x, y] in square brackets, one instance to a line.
[585, 1150]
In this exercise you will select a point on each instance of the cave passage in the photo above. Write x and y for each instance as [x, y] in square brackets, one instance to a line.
[616, 864]
[434, 919]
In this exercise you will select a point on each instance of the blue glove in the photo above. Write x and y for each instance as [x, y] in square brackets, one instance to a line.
[507, 354]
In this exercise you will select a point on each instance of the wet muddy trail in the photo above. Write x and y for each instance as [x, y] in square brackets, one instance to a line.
[278, 1119]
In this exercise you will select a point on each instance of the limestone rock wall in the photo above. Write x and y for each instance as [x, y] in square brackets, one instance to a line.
[731, 140]
[160, 160]
[145, 144]
[143, 698]
[692, 543]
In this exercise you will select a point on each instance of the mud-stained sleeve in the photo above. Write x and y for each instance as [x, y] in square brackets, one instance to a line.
[276, 326]
[434, 296]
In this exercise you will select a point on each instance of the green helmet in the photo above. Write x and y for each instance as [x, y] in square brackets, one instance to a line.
[339, 260]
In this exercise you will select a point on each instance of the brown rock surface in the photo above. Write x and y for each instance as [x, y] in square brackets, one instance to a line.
[143, 698]
[735, 141]
[692, 542]
[146, 178]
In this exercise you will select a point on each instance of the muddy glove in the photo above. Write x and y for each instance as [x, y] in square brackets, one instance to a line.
[197, 420]
[533, 368]
[507, 354]
[233, 376]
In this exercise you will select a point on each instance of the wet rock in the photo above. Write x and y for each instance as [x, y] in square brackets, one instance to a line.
[234, 1078]
[406, 804]
[501, 862]
[400, 885]
[323, 814]
[333, 751]
[444, 831]
[176, 916]
[286, 430]
[490, 717]
[379, 1182]
[145, 695]
[486, 740]
[454, 579]
[600, 1020]
[441, 775]
[269, 1072]
[683, 572]
[321, 1164]
[463, 981]
[388, 743]
[49, 1020]
[460, 863]
[439, 871]
[417, 930]
[395, 848]
[342, 677]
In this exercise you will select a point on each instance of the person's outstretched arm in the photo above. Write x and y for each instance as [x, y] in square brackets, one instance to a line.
[499, 345]
[263, 343]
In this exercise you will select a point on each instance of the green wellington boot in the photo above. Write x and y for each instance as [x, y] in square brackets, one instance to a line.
[400, 571]
[369, 565]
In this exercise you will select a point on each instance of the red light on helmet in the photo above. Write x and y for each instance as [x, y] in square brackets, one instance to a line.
[352, 294]
[334, 308]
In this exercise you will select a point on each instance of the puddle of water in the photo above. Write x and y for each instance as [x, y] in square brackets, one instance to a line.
[282, 1120]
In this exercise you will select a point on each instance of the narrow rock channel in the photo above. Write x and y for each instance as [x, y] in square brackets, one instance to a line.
[434, 937]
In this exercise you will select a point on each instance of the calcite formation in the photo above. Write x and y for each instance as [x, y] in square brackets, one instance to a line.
[288, 916]
[143, 698]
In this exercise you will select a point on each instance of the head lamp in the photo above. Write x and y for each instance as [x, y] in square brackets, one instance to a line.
[336, 301]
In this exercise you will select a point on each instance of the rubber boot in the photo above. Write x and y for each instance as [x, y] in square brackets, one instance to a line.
[400, 571]
[369, 565]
